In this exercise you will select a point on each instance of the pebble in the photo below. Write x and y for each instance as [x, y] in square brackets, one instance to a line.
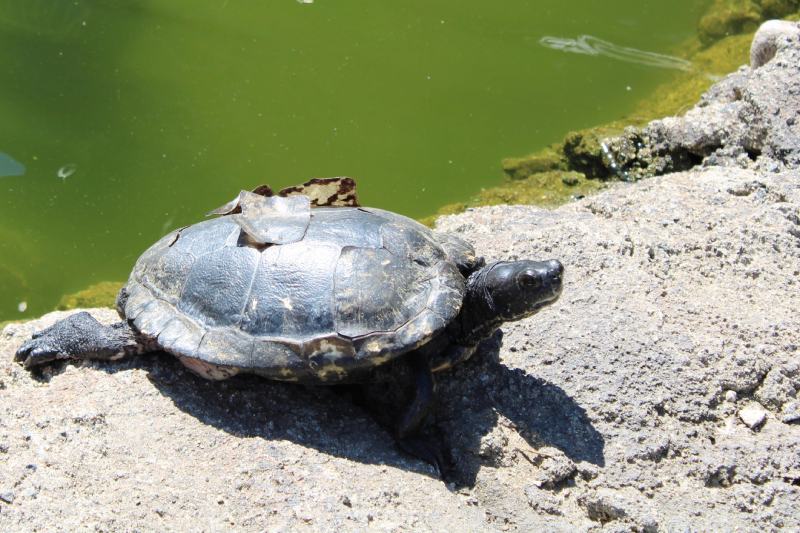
[753, 416]
[730, 396]
[7, 496]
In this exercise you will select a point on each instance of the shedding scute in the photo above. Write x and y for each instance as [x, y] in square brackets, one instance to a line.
[273, 220]
[205, 237]
[345, 227]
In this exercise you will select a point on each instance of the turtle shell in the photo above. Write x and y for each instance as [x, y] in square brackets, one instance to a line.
[360, 287]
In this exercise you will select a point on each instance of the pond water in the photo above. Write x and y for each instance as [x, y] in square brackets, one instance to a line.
[125, 119]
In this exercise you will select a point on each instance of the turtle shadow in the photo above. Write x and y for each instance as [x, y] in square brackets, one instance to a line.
[484, 395]
[473, 400]
[323, 418]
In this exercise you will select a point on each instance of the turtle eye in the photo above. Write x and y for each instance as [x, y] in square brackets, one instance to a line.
[529, 280]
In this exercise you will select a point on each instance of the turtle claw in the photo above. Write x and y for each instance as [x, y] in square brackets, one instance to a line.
[427, 451]
[38, 351]
[79, 336]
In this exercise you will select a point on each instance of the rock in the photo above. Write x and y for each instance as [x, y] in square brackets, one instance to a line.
[542, 500]
[791, 412]
[769, 36]
[780, 385]
[753, 416]
[610, 507]
[602, 507]
[730, 396]
[554, 470]
[747, 120]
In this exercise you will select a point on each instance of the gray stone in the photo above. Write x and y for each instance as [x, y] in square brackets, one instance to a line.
[747, 120]
[753, 416]
[791, 412]
[542, 500]
[771, 35]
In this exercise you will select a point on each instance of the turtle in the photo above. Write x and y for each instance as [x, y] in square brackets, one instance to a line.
[305, 285]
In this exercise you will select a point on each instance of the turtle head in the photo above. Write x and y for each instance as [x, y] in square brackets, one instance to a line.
[517, 289]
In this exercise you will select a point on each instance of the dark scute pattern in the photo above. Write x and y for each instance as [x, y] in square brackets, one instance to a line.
[138, 298]
[419, 329]
[291, 293]
[181, 336]
[154, 317]
[290, 311]
[447, 291]
[336, 192]
[226, 346]
[345, 226]
[459, 252]
[166, 274]
[406, 240]
[151, 253]
[398, 219]
[276, 359]
[377, 291]
[218, 286]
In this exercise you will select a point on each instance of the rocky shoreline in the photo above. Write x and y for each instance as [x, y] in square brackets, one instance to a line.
[660, 393]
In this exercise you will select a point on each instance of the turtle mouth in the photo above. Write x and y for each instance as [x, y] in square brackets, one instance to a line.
[550, 298]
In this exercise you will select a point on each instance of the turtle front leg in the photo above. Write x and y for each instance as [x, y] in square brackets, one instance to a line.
[408, 429]
[80, 336]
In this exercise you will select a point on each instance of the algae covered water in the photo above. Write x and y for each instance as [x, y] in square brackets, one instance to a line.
[125, 119]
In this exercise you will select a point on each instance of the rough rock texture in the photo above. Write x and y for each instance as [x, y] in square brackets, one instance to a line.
[766, 40]
[750, 119]
[678, 324]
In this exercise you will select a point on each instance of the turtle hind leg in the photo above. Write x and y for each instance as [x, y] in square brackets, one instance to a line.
[80, 336]
[408, 432]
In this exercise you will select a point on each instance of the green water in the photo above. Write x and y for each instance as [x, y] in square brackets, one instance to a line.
[131, 118]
